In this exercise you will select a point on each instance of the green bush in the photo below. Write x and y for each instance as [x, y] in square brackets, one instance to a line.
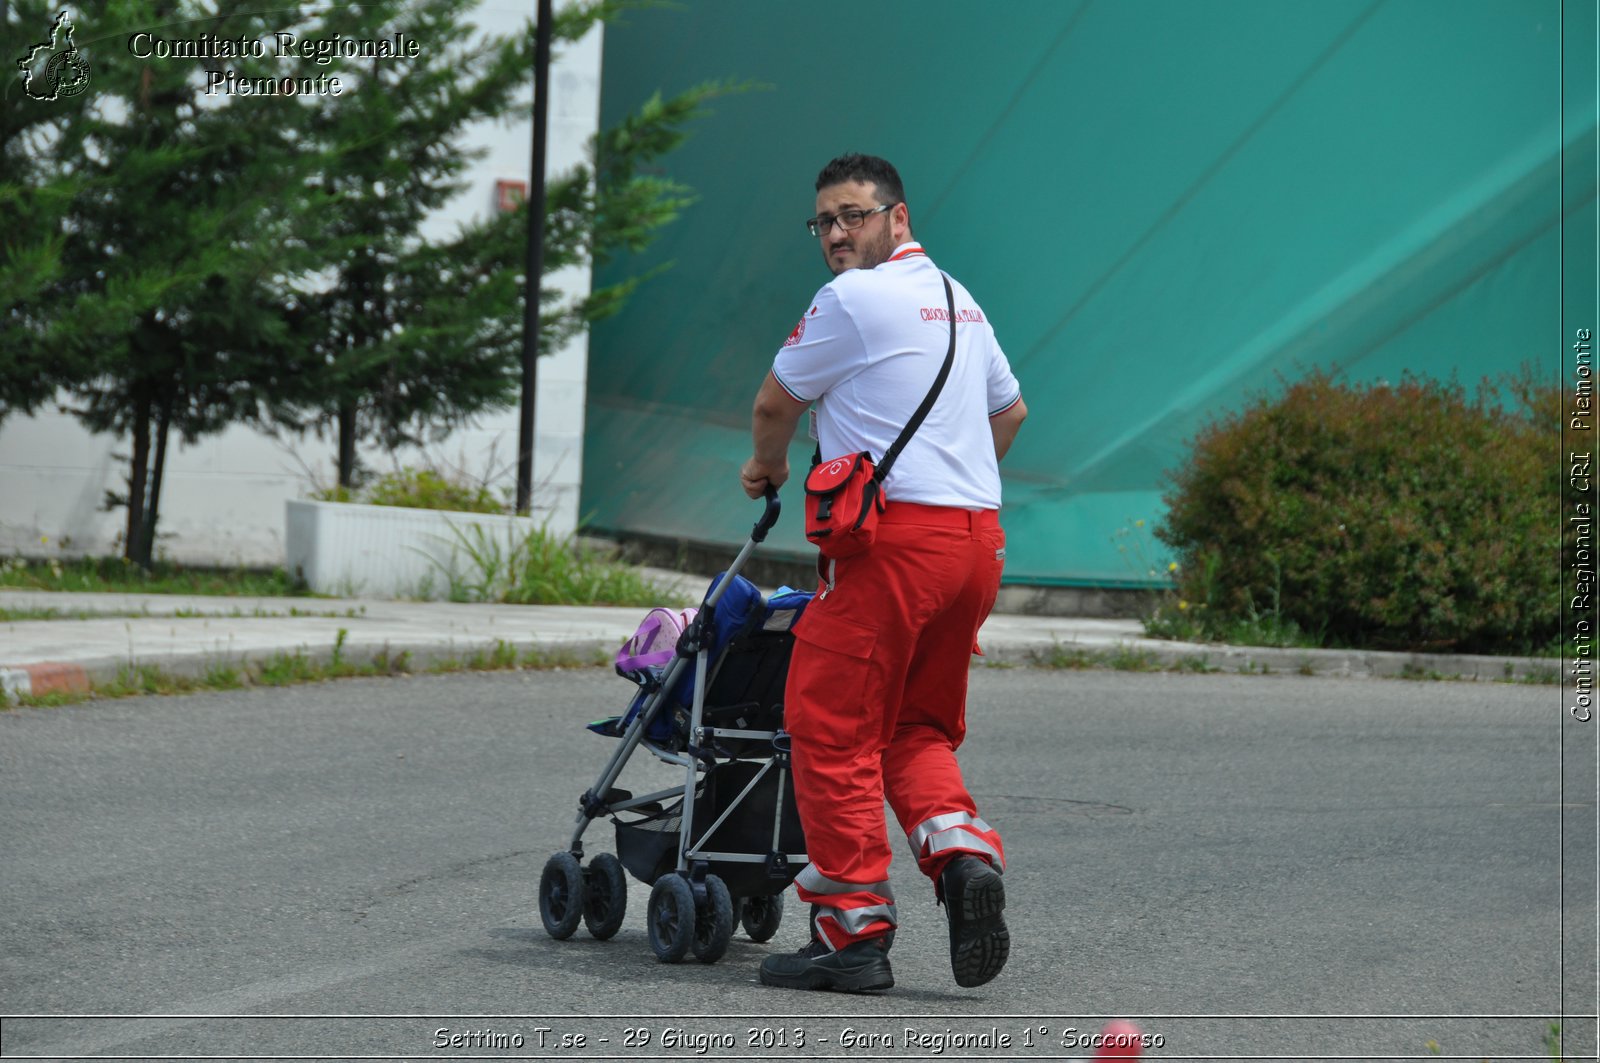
[426, 489]
[421, 489]
[1392, 517]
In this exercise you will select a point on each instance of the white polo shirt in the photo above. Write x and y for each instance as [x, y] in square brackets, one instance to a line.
[867, 351]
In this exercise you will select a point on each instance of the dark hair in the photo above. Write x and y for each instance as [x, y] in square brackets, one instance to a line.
[866, 168]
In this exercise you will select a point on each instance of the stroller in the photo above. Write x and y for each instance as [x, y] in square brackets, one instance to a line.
[727, 842]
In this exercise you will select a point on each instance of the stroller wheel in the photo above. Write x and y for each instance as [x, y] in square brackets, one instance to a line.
[671, 918]
[761, 916]
[713, 927]
[561, 895]
[605, 896]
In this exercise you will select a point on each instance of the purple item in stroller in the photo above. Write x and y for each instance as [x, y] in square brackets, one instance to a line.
[656, 641]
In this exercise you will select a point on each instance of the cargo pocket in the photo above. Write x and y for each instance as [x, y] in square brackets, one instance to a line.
[832, 697]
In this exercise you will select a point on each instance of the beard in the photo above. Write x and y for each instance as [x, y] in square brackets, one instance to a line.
[872, 251]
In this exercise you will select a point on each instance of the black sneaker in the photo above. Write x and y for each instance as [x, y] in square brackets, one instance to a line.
[973, 897]
[857, 968]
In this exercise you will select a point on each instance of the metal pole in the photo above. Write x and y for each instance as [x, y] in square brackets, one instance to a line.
[535, 264]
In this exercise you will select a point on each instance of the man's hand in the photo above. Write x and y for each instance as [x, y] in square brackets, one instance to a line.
[755, 477]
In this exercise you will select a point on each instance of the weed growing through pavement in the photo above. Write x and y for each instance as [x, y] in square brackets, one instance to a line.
[224, 677]
[1121, 658]
[1074, 658]
[1127, 658]
[286, 668]
[502, 656]
[564, 657]
[1416, 673]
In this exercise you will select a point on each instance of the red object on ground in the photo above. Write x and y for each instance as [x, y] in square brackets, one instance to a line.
[1119, 1040]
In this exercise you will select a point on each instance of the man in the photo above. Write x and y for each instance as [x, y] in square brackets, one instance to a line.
[876, 697]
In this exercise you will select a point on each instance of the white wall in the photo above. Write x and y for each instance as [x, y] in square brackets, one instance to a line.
[222, 500]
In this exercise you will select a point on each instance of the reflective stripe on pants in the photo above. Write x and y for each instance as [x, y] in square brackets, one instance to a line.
[936, 840]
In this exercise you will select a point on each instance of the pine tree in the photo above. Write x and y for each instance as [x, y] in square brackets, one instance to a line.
[178, 260]
[415, 336]
[154, 289]
[40, 344]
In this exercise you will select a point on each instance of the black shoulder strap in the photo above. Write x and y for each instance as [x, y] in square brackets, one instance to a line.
[933, 393]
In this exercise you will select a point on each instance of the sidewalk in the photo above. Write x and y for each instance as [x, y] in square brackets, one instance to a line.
[191, 635]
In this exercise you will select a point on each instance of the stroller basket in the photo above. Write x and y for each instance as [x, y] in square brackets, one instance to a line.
[648, 847]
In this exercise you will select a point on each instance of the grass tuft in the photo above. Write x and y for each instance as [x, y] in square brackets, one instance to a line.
[106, 575]
[541, 568]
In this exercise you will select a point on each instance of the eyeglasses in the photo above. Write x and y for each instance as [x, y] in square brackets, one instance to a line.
[847, 220]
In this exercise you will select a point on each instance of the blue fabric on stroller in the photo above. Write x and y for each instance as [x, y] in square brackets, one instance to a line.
[740, 611]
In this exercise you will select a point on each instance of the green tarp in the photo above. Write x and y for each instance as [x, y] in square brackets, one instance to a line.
[1164, 207]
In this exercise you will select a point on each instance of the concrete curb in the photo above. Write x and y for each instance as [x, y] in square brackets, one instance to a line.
[1161, 655]
[419, 658]
[424, 657]
[187, 637]
[43, 677]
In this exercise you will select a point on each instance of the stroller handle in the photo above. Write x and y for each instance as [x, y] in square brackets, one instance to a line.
[768, 518]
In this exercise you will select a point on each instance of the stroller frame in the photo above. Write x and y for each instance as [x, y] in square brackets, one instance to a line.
[690, 906]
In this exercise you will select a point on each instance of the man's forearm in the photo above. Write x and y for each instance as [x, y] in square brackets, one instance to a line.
[773, 421]
[1004, 427]
[771, 431]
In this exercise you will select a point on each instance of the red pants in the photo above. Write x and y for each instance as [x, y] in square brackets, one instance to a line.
[876, 705]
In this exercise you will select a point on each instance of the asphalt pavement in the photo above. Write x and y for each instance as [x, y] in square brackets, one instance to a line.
[1264, 867]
